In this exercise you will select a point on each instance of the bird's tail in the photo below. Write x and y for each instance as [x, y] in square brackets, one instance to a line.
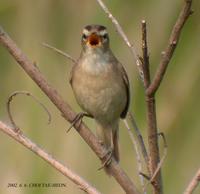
[108, 135]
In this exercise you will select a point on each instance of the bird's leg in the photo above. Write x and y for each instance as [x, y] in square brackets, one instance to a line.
[107, 158]
[78, 118]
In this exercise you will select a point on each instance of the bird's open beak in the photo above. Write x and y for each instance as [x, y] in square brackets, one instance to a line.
[94, 40]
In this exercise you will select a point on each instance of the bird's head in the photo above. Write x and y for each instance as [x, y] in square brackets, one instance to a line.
[95, 37]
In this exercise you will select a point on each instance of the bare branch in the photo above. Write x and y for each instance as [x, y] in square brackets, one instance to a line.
[29, 67]
[154, 156]
[150, 97]
[140, 138]
[161, 161]
[145, 57]
[168, 53]
[66, 171]
[123, 35]
[151, 88]
[16, 128]
[193, 183]
[135, 147]
[60, 52]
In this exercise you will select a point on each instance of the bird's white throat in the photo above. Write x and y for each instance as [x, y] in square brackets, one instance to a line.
[95, 61]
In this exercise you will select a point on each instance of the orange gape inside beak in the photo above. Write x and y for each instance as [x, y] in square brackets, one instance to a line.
[94, 40]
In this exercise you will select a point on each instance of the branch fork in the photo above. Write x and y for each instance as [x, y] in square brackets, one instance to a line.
[150, 87]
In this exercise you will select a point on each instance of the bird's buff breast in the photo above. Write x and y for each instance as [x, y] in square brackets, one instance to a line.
[101, 94]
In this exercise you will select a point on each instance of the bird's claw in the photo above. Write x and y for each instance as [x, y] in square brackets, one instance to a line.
[78, 118]
[107, 158]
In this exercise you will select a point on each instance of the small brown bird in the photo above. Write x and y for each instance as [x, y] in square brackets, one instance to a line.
[101, 85]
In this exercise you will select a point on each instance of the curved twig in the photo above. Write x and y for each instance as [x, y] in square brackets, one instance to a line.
[59, 52]
[120, 176]
[138, 157]
[66, 171]
[140, 138]
[10, 98]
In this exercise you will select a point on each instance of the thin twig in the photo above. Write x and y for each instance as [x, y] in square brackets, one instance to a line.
[10, 98]
[145, 176]
[66, 171]
[139, 137]
[145, 57]
[60, 52]
[193, 183]
[123, 35]
[154, 157]
[168, 53]
[154, 165]
[161, 161]
[66, 111]
[139, 160]
[150, 98]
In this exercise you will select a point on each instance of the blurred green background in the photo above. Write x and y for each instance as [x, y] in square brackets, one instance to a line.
[59, 23]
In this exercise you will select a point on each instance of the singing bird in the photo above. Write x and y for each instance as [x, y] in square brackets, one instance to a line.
[101, 86]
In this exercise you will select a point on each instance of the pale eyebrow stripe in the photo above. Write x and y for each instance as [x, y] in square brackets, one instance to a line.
[86, 32]
[103, 32]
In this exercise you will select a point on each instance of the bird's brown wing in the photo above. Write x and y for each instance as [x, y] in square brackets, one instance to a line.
[127, 85]
[71, 73]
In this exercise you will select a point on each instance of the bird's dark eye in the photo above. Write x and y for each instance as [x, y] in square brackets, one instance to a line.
[84, 37]
[105, 36]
